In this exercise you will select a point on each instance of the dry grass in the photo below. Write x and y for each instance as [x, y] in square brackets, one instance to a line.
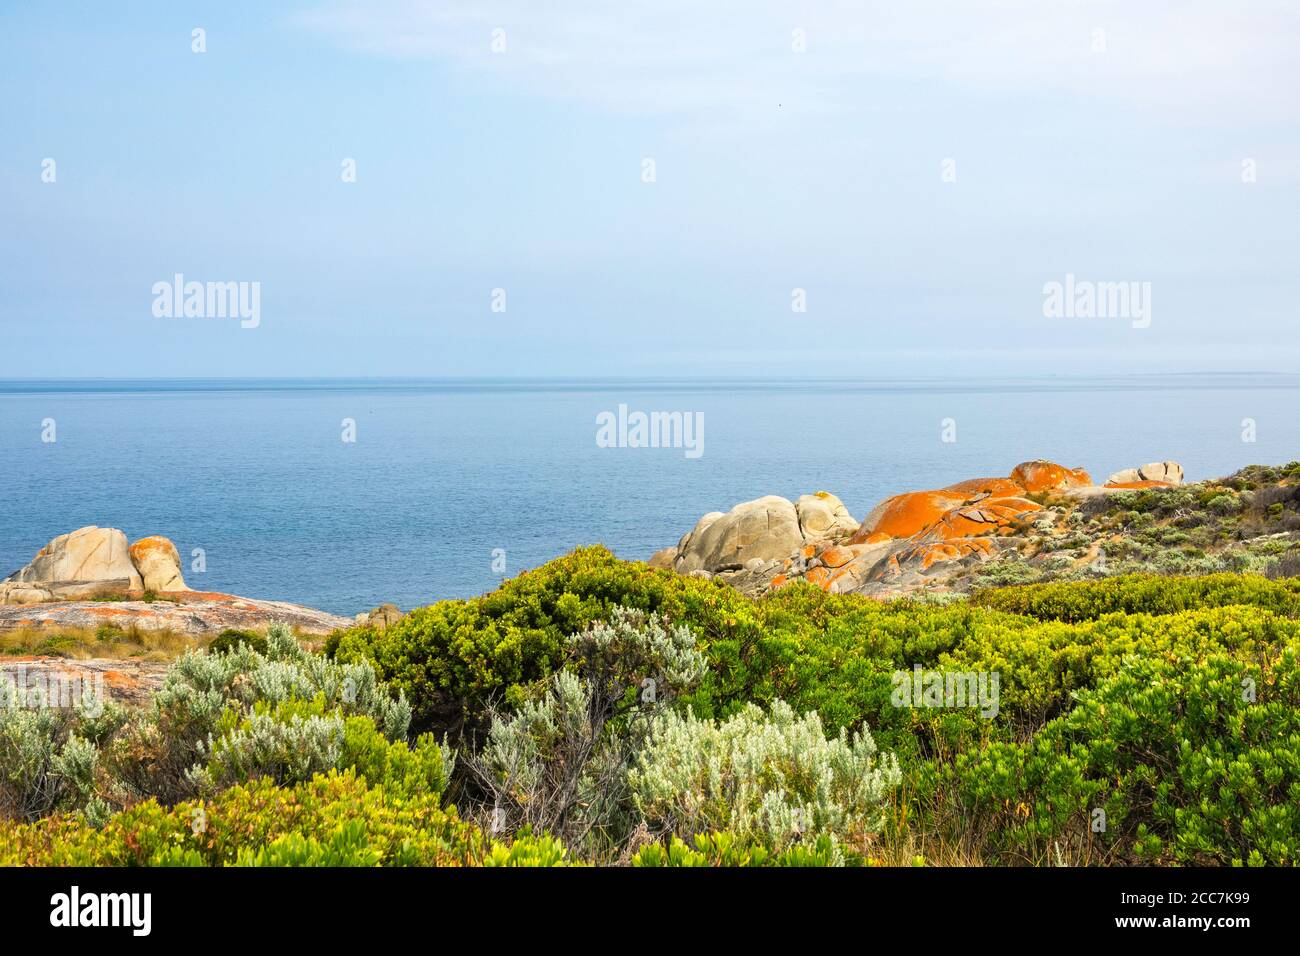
[107, 641]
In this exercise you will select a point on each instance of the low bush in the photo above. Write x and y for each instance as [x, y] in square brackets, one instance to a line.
[1084, 601]
[559, 763]
[1171, 759]
[724, 849]
[773, 779]
[335, 819]
[230, 639]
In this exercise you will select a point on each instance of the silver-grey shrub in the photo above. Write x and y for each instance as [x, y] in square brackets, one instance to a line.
[162, 753]
[559, 762]
[44, 764]
[286, 750]
[772, 777]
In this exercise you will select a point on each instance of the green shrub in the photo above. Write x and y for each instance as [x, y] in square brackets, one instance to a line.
[528, 850]
[331, 820]
[1191, 760]
[218, 718]
[455, 657]
[1083, 601]
[230, 639]
[724, 849]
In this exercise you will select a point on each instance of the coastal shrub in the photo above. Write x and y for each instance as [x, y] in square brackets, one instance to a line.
[772, 777]
[1190, 761]
[284, 747]
[528, 850]
[334, 819]
[453, 658]
[1087, 600]
[834, 654]
[44, 764]
[559, 762]
[230, 638]
[209, 703]
[724, 849]
[1286, 566]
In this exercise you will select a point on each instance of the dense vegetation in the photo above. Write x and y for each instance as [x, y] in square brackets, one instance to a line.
[594, 710]
[1246, 523]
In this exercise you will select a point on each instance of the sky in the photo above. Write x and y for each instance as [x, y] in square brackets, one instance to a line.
[840, 188]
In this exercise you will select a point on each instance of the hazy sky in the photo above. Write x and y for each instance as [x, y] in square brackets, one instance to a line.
[795, 146]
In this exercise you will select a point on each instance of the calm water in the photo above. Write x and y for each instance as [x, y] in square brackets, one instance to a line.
[441, 474]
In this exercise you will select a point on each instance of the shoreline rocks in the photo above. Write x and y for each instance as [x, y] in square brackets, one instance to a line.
[193, 613]
[755, 537]
[87, 555]
[91, 577]
[159, 564]
[911, 541]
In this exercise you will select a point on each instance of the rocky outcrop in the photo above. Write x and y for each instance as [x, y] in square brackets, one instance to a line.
[822, 515]
[1154, 474]
[766, 529]
[754, 537]
[90, 554]
[192, 613]
[89, 578]
[159, 564]
[381, 617]
[1039, 476]
[87, 682]
[908, 542]
[92, 562]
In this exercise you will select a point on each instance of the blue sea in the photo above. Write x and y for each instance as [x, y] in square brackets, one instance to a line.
[445, 475]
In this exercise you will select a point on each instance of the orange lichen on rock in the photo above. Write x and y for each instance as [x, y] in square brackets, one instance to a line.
[913, 512]
[990, 516]
[818, 576]
[1043, 475]
[904, 515]
[933, 553]
[777, 581]
[836, 557]
[993, 487]
[955, 522]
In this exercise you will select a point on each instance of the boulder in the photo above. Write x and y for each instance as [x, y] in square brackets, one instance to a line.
[159, 564]
[381, 617]
[1040, 475]
[16, 592]
[663, 558]
[822, 515]
[988, 516]
[766, 528]
[197, 614]
[990, 487]
[87, 554]
[904, 515]
[1164, 472]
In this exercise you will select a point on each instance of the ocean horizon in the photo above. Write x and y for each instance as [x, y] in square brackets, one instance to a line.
[451, 485]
